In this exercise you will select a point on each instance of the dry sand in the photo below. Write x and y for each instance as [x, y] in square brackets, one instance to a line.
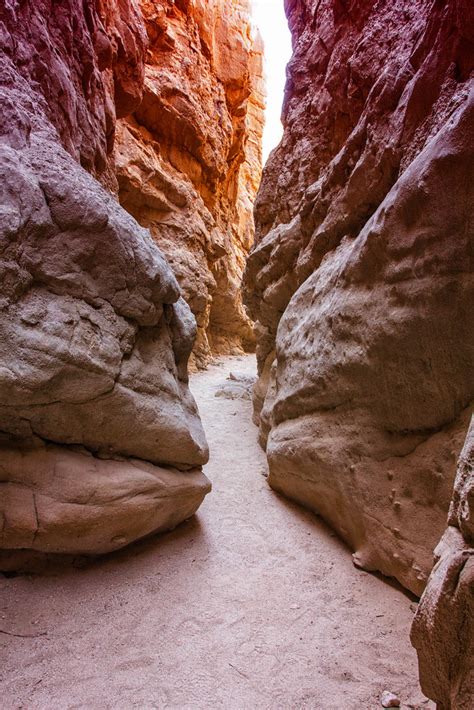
[251, 604]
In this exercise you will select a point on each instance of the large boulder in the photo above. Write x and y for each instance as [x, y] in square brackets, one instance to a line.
[58, 500]
[101, 439]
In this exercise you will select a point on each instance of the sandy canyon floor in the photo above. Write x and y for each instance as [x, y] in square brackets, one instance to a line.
[252, 604]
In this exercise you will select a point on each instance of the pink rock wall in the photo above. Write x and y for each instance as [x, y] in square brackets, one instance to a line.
[361, 276]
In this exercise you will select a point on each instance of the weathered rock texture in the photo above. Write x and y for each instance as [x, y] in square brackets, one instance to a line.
[361, 277]
[101, 442]
[443, 628]
[189, 160]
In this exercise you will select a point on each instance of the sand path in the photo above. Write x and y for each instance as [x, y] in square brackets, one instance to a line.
[253, 604]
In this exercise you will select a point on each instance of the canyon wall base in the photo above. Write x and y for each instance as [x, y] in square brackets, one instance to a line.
[443, 628]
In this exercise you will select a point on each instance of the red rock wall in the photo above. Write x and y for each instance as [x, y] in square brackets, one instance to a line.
[86, 64]
[189, 160]
[361, 276]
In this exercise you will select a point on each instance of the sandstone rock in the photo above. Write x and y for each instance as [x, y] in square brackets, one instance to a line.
[361, 276]
[57, 500]
[94, 335]
[443, 627]
[189, 160]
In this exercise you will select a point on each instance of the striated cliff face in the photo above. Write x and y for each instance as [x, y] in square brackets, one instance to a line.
[189, 159]
[101, 442]
[361, 276]
[85, 67]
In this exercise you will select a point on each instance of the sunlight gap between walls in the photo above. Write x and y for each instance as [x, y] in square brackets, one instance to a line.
[269, 18]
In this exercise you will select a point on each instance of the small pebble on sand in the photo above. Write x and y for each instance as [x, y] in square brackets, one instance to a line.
[389, 700]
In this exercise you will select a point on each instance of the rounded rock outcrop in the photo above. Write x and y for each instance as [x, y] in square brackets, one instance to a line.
[101, 441]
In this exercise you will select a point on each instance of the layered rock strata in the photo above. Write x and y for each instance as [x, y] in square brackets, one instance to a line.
[101, 442]
[443, 628]
[189, 160]
[361, 276]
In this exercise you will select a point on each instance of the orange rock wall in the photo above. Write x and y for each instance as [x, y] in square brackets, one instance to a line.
[189, 159]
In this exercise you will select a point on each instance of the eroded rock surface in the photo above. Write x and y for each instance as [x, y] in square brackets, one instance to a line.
[361, 277]
[443, 628]
[94, 334]
[189, 160]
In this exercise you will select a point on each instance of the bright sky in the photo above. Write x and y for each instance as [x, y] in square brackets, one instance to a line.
[269, 16]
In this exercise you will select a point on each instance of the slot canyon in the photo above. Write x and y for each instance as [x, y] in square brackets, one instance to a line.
[236, 447]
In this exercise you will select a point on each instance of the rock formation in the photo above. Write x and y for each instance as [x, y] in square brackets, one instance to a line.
[189, 159]
[443, 628]
[361, 275]
[101, 441]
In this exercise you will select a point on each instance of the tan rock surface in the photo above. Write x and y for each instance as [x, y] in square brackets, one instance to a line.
[56, 500]
[361, 277]
[189, 160]
[94, 335]
[443, 628]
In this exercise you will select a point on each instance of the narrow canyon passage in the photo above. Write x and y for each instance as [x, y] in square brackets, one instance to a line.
[253, 603]
[188, 180]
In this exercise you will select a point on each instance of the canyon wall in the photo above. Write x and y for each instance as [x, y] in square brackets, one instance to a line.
[361, 277]
[443, 627]
[100, 439]
[189, 159]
